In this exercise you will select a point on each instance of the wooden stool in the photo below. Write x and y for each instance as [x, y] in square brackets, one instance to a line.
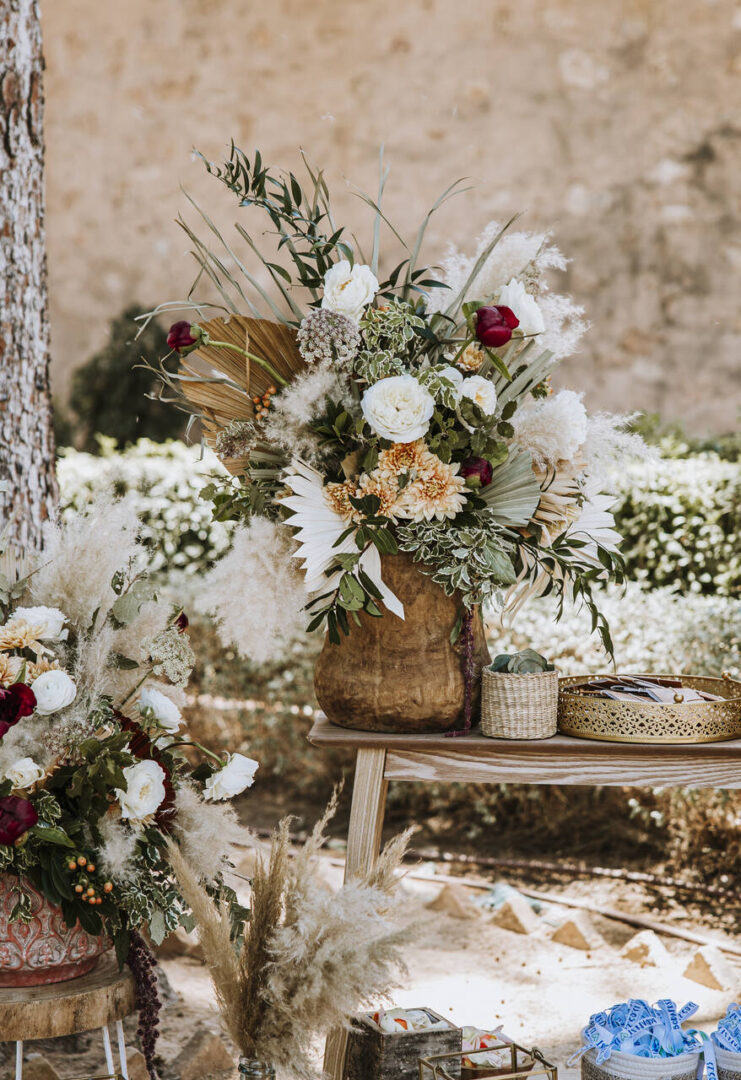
[105, 995]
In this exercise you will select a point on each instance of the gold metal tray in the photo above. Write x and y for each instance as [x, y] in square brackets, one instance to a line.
[648, 721]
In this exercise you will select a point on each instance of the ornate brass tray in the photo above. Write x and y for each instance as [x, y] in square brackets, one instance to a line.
[651, 722]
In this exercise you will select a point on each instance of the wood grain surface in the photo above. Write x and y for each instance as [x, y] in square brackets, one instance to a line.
[84, 1004]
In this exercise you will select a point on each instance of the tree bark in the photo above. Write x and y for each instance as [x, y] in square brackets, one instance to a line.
[28, 490]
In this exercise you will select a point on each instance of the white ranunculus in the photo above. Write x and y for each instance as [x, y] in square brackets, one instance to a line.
[514, 296]
[51, 620]
[145, 790]
[164, 709]
[236, 775]
[398, 408]
[452, 374]
[481, 392]
[349, 289]
[54, 690]
[24, 772]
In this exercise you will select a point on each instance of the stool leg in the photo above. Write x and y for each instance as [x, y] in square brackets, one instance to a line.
[122, 1050]
[108, 1051]
[19, 1061]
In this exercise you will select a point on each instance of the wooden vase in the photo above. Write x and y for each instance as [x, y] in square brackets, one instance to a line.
[402, 675]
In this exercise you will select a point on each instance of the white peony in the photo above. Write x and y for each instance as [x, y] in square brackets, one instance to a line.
[481, 392]
[164, 709]
[50, 619]
[514, 296]
[236, 775]
[145, 790]
[24, 772]
[398, 408]
[54, 690]
[349, 289]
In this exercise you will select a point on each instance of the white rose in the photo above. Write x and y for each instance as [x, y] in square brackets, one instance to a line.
[145, 790]
[54, 690]
[398, 408]
[24, 772]
[164, 709]
[237, 774]
[481, 392]
[514, 296]
[452, 374]
[50, 619]
[349, 289]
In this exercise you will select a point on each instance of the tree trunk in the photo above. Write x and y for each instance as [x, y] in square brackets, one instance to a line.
[28, 489]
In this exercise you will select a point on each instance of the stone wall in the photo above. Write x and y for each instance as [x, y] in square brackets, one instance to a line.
[615, 122]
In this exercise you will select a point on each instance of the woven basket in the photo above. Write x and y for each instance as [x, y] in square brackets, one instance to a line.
[729, 1064]
[631, 1067]
[519, 706]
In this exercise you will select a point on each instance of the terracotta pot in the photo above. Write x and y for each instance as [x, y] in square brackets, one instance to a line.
[401, 676]
[43, 950]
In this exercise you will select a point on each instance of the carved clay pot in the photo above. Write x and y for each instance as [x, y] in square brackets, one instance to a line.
[43, 950]
[401, 676]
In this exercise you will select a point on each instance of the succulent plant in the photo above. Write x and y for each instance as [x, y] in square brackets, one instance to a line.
[527, 662]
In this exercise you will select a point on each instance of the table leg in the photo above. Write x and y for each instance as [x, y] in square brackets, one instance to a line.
[363, 845]
[366, 814]
[19, 1061]
[122, 1050]
[108, 1051]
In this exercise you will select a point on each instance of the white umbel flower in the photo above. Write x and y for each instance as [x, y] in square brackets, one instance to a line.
[349, 289]
[515, 296]
[317, 529]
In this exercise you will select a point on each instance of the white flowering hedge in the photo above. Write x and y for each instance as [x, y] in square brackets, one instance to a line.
[679, 516]
[167, 478]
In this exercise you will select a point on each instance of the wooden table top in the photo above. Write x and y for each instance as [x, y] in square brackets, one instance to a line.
[475, 758]
[85, 1004]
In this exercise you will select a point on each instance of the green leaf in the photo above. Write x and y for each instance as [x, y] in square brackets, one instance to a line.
[51, 834]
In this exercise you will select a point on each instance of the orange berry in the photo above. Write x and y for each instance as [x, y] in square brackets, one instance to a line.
[90, 891]
[90, 867]
[108, 887]
[72, 865]
[78, 888]
[81, 860]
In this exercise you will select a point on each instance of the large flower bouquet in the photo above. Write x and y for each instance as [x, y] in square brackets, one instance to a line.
[365, 412]
[94, 778]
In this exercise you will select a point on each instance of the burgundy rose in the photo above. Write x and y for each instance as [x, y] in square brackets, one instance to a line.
[494, 325]
[17, 816]
[477, 472]
[16, 701]
[184, 336]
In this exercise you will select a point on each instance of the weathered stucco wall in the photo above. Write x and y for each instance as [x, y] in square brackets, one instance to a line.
[615, 123]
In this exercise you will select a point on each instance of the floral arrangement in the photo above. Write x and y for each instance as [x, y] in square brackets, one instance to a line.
[94, 778]
[364, 414]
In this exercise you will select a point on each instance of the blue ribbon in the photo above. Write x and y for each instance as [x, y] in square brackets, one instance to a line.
[648, 1031]
[728, 1034]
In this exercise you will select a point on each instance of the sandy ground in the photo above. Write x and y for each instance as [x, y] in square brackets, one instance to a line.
[476, 973]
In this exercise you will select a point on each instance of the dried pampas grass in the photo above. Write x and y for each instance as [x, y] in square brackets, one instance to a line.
[310, 959]
[256, 593]
[82, 555]
[207, 831]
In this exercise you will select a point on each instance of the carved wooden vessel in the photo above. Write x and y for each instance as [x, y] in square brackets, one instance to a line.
[397, 675]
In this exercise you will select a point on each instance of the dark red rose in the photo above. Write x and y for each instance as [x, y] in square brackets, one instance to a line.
[184, 336]
[17, 816]
[16, 701]
[181, 623]
[477, 472]
[494, 325]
